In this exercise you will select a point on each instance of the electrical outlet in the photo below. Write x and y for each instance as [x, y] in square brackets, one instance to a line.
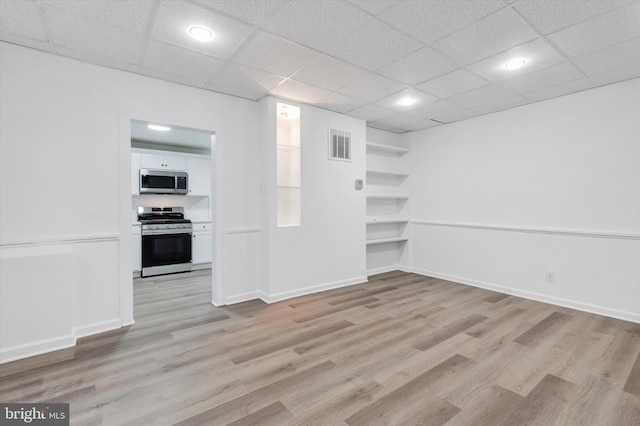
[551, 277]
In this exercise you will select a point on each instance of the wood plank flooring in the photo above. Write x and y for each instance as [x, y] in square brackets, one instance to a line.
[401, 349]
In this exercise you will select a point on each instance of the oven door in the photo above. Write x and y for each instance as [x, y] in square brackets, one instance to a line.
[164, 252]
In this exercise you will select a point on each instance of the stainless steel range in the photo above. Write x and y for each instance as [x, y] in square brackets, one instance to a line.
[166, 240]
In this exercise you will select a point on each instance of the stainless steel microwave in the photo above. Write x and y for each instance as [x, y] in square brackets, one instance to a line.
[163, 182]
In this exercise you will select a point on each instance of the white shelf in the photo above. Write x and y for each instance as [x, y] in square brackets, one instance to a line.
[389, 197]
[387, 240]
[387, 172]
[387, 149]
[373, 221]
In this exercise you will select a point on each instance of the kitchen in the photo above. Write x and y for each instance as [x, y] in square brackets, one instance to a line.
[162, 155]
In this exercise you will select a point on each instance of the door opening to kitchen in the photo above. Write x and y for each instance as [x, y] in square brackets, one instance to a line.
[172, 218]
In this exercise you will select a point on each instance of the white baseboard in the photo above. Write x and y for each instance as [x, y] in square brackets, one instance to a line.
[594, 309]
[198, 266]
[239, 298]
[36, 348]
[384, 269]
[272, 298]
[49, 345]
[95, 328]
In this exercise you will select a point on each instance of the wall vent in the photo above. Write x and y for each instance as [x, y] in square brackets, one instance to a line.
[339, 145]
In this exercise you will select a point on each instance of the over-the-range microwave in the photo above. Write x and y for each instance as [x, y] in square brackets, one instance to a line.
[163, 182]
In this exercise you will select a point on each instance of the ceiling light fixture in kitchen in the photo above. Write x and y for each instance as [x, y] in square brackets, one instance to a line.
[407, 101]
[159, 128]
[515, 64]
[288, 112]
[201, 33]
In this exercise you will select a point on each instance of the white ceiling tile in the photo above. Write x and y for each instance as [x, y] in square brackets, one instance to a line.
[437, 109]
[559, 89]
[600, 32]
[339, 103]
[370, 112]
[97, 59]
[374, 6]
[21, 18]
[621, 55]
[371, 88]
[493, 34]
[546, 77]
[455, 82]
[420, 99]
[463, 114]
[374, 46]
[318, 24]
[243, 81]
[185, 63]
[25, 41]
[81, 35]
[419, 66]
[537, 53]
[250, 11]
[161, 75]
[481, 95]
[380, 126]
[133, 16]
[274, 54]
[176, 17]
[298, 91]
[420, 125]
[431, 20]
[495, 105]
[548, 16]
[329, 73]
[398, 120]
[619, 74]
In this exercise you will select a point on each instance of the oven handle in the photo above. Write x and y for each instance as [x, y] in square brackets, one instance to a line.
[166, 231]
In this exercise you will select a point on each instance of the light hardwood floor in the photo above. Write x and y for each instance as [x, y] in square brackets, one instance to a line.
[401, 349]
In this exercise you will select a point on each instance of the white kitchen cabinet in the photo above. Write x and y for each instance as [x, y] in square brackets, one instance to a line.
[199, 176]
[201, 243]
[136, 248]
[159, 161]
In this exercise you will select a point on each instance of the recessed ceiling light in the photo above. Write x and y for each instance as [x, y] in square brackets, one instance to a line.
[201, 33]
[159, 128]
[407, 101]
[514, 64]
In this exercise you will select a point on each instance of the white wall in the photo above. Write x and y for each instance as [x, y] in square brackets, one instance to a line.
[501, 199]
[65, 180]
[327, 250]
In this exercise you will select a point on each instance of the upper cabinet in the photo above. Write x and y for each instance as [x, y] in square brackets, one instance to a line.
[198, 167]
[199, 170]
[159, 161]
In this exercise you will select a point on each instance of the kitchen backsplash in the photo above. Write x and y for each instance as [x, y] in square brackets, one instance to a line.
[197, 209]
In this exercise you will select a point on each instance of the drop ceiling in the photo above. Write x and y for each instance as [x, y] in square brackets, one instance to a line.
[357, 57]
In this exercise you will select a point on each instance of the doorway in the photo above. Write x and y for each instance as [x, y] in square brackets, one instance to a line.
[160, 145]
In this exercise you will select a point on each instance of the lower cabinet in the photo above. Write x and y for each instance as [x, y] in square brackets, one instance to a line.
[136, 249]
[201, 243]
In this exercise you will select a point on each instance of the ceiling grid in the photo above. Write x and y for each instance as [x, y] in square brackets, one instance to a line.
[402, 65]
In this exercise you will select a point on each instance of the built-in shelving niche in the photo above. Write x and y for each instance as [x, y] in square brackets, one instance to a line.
[388, 196]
